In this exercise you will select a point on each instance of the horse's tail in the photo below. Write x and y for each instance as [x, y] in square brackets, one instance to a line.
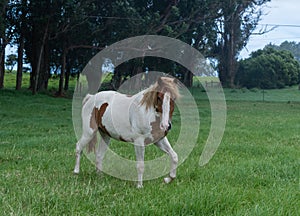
[86, 98]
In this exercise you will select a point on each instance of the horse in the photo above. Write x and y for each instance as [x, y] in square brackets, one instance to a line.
[141, 119]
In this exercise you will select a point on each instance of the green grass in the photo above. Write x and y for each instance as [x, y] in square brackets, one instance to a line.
[53, 83]
[254, 172]
[288, 94]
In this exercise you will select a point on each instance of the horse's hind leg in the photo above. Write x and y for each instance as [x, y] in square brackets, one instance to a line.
[82, 142]
[100, 152]
[165, 146]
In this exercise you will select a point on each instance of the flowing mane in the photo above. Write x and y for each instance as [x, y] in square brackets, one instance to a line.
[163, 85]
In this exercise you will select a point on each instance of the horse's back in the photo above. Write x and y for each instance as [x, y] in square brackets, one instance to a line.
[114, 109]
[104, 97]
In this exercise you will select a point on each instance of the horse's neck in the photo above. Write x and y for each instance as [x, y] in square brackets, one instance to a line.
[140, 94]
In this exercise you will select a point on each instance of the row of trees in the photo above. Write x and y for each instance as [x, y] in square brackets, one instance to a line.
[62, 35]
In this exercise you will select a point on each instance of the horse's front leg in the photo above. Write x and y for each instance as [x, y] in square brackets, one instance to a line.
[165, 146]
[139, 152]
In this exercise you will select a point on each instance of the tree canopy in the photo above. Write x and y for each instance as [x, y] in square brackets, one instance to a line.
[268, 68]
[291, 46]
[61, 36]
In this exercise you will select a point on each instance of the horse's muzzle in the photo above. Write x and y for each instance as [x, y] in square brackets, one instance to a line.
[166, 127]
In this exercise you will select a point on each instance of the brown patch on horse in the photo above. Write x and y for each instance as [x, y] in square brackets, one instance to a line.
[96, 122]
[93, 123]
[98, 116]
[156, 132]
[160, 99]
[148, 141]
[172, 106]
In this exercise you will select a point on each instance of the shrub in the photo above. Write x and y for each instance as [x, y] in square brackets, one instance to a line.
[268, 69]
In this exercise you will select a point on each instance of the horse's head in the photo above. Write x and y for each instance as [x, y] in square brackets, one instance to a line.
[167, 93]
[162, 96]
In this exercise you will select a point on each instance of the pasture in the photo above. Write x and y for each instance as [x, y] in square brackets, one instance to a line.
[254, 172]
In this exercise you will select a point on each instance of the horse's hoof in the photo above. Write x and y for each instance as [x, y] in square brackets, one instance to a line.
[139, 186]
[169, 179]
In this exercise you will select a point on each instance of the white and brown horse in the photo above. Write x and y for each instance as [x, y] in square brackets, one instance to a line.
[142, 119]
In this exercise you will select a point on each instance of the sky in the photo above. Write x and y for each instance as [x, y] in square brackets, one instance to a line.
[286, 14]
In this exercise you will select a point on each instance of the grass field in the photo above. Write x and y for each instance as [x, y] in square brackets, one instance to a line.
[254, 172]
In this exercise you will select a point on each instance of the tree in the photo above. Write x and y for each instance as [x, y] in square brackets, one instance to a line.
[268, 69]
[189, 21]
[49, 27]
[4, 40]
[11, 61]
[15, 20]
[61, 36]
[20, 26]
[239, 19]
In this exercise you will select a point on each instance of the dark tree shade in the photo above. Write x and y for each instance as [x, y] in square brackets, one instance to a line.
[61, 36]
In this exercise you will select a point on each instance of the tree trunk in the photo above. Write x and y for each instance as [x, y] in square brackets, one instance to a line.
[39, 62]
[223, 66]
[188, 78]
[62, 73]
[68, 73]
[20, 63]
[233, 47]
[46, 66]
[3, 41]
[33, 67]
[37, 71]
[233, 39]
[2, 69]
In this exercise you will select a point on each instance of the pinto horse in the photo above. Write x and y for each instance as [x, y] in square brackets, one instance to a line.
[142, 119]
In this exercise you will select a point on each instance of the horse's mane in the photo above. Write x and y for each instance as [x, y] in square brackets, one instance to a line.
[163, 85]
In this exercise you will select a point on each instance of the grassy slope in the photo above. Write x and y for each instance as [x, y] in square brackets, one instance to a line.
[254, 172]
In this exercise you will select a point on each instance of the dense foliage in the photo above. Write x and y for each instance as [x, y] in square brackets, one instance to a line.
[291, 46]
[268, 69]
[61, 36]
